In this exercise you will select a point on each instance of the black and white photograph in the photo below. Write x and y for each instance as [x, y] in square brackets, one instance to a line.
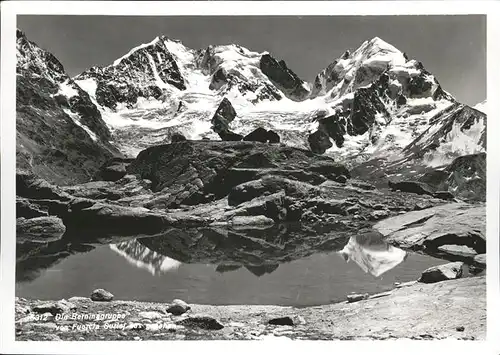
[210, 177]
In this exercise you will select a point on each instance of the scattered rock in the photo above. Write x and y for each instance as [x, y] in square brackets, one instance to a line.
[53, 307]
[480, 260]
[460, 328]
[444, 272]
[101, 295]
[357, 297]
[379, 214]
[281, 321]
[201, 321]
[178, 307]
[135, 326]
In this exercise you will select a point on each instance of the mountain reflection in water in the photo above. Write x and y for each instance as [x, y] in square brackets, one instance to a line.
[367, 250]
[283, 264]
[372, 254]
[144, 258]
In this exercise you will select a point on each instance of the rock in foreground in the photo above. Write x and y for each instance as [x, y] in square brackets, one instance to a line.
[431, 228]
[178, 307]
[101, 295]
[406, 313]
[445, 272]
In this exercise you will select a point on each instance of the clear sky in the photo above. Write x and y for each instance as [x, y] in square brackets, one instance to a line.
[453, 48]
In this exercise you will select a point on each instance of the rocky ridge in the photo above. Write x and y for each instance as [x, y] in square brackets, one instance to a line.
[60, 133]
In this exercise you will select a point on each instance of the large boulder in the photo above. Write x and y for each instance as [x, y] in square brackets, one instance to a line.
[178, 307]
[101, 295]
[444, 272]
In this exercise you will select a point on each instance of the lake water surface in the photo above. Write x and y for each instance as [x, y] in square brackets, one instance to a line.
[132, 271]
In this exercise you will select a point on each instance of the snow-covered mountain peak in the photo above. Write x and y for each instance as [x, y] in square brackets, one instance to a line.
[135, 49]
[376, 45]
[358, 69]
[481, 106]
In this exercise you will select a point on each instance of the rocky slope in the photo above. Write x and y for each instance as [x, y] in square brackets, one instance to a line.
[60, 133]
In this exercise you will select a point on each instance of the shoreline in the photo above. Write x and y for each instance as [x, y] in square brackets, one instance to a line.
[448, 309]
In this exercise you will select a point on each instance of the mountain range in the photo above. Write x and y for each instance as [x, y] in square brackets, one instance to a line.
[376, 110]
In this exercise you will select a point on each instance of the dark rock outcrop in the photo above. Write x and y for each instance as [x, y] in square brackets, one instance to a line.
[131, 77]
[262, 135]
[285, 79]
[223, 116]
[416, 187]
[229, 136]
[177, 137]
[319, 142]
[190, 172]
